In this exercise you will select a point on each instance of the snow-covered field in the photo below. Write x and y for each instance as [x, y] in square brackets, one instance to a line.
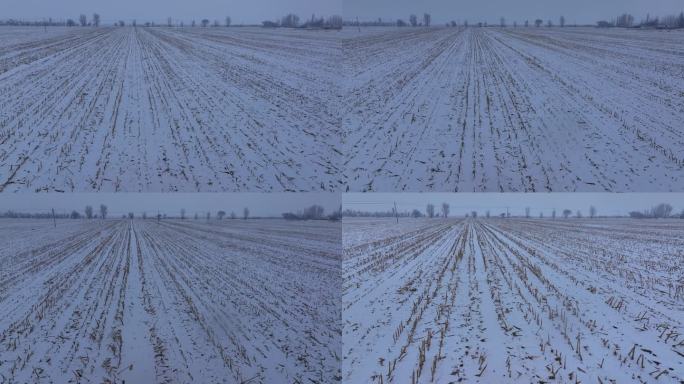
[525, 109]
[161, 109]
[118, 301]
[513, 300]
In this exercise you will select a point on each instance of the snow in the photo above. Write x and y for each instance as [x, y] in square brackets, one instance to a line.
[162, 109]
[383, 109]
[514, 109]
[508, 300]
[177, 301]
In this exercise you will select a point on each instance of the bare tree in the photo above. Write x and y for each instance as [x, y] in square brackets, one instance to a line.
[96, 19]
[562, 21]
[527, 23]
[83, 20]
[245, 213]
[144, 215]
[89, 212]
[538, 23]
[103, 211]
[413, 20]
[578, 214]
[427, 19]
[193, 24]
[625, 21]
[335, 22]
[196, 216]
[487, 214]
[221, 214]
[227, 21]
[661, 211]
[182, 213]
[553, 214]
[445, 210]
[70, 23]
[205, 23]
[416, 214]
[527, 212]
[131, 215]
[566, 213]
[75, 215]
[208, 216]
[592, 211]
[169, 22]
[336, 215]
[430, 210]
[502, 22]
[290, 21]
[233, 215]
[314, 212]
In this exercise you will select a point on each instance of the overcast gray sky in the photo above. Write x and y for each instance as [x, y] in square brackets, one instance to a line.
[461, 203]
[581, 11]
[259, 204]
[241, 11]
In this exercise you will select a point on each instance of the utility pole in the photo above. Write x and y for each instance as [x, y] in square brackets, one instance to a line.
[507, 214]
[54, 221]
[396, 213]
[358, 25]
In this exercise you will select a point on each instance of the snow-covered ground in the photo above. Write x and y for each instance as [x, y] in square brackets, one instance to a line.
[513, 300]
[116, 301]
[514, 109]
[161, 109]
[383, 109]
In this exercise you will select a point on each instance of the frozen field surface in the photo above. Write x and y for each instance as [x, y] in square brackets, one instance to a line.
[117, 301]
[161, 109]
[526, 109]
[513, 301]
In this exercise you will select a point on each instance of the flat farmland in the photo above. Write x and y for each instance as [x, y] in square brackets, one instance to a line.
[513, 300]
[513, 109]
[162, 109]
[184, 301]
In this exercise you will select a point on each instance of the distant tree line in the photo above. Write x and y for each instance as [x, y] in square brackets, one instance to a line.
[314, 212]
[660, 211]
[413, 21]
[430, 212]
[49, 22]
[627, 21]
[88, 213]
[288, 21]
[292, 20]
[657, 212]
